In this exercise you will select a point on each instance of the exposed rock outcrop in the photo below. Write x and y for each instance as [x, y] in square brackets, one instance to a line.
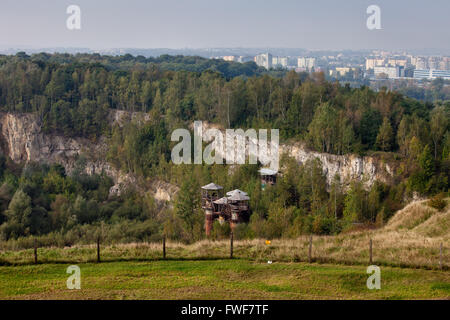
[163, 191]
[348, 167]
[22, 140]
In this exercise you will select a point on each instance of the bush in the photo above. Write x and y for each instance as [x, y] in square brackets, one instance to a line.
[438, 202]
[324, 225]
[243, 231]
[220, 230]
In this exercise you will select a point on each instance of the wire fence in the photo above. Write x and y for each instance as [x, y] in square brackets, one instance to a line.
[305, 249]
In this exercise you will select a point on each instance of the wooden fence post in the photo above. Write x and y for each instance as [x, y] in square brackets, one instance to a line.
[440, 257]
[231, 245]
[310, 249]
[370, 252]
[35, 252]
[98, 249]
[164, 247]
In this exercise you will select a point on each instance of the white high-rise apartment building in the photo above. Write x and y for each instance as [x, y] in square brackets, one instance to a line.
[390, 72]
[371, 63]
[264, 60]
[280, 62]
[444, 64]
[433, 62]
[419, 62]
[306, 63]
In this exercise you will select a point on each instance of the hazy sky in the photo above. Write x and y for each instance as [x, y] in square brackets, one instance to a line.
[311, 24]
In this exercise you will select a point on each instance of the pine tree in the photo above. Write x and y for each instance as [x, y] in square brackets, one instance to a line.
[426, 162]
[385, 136]
[402, 135]
[438, 127]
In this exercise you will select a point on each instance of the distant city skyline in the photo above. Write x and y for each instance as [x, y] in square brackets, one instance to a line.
[409, 25]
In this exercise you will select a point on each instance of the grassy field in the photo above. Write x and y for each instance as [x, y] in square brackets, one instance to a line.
[219, 279]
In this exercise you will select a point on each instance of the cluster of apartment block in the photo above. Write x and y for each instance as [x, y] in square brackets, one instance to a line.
[269, 61]
[409, 67]
[380, 66]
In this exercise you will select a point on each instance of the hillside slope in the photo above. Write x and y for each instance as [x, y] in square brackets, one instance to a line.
[419, 218]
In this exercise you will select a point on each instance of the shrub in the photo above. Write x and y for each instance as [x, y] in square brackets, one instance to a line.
[438, 202]
[325, 225]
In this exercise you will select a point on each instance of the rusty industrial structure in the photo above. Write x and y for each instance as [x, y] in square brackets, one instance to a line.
[268, 177]
[233, 207]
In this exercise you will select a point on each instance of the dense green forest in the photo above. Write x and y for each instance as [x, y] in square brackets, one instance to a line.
[74, 94]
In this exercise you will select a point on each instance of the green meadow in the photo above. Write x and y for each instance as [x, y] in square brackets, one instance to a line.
[219, 279]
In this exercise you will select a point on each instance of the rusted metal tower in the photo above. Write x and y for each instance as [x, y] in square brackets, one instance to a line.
[239, 208]
[210, 193]
[233, 208]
